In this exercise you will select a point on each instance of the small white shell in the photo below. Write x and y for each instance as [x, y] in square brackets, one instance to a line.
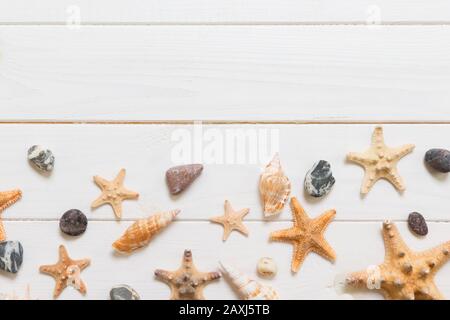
[274, 187]
[266, 267]
[248, 288]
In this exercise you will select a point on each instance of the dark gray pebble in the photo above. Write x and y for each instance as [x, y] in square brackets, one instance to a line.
[42, 158]
[417, 224]
[11, 256]
[438, 159]
[73, 222]
[319, 180]
[123, 292]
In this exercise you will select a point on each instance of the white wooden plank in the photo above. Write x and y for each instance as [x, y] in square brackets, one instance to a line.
[223, 11]
[83, 151]
[337, 73]
[314, 281]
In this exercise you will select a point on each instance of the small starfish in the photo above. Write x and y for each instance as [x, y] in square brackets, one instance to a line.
[306, 235]
[7, 199]
[380, 162]
[113, 193]
[231, 220]
[404, 274]
[187, 282]
[66, 272]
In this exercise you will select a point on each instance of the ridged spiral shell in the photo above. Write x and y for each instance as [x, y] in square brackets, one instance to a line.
[248, 288]
[142, 231]
[274, 187]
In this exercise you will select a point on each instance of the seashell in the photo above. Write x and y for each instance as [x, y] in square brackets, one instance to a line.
[141, 232]
[248, 288]
[266, 267]
[274, 187]
[14, 296]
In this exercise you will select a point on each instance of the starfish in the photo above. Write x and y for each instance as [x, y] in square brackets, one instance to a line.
[7, 199]
[404, 274]
[231, 220]
[306, 235]
[113, 193]
[380, 162]
[66, 272]
[187, 282]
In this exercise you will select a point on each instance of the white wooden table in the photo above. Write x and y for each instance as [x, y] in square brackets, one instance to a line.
[119, 89]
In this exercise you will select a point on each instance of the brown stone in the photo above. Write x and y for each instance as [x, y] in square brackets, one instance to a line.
[417, 224]
[180, 177]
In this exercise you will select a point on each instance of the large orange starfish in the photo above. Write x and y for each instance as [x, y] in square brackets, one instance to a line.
[404, 274]
[306, 235]
[187, 282]
[231, 220]
[113, 193]
[66, 272]
[380, 162]
[7, 199]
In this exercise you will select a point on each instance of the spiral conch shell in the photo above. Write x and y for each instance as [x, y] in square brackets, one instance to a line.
[142, 231]
[248, 288]
[274, 187]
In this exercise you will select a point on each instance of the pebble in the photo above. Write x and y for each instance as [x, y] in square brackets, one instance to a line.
[42, 158]
[266, 267]
[11, 256]
[417, 224]
[180, 177]
[319, 180]
[123, 292]
[73, 222]
[438, 159]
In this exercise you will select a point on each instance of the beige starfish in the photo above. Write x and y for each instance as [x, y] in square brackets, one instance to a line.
[231, 220]
[66, 272]
[113, 193]
[380, 162]
[404, 274]
[306, 235]
[187, 282]
[7, 199]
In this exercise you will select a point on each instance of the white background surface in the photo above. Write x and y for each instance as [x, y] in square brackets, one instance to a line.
[111, 93]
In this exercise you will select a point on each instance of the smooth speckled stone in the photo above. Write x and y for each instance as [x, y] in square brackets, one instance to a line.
[73, 222]
[42, 158]
[417, 224]
[11, 256]
[319, 180]
[438, 159]
[123, 292]
[180, 177]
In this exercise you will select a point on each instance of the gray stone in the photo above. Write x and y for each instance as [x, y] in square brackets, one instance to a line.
[180, 177]
[11, 256]
[42, 158]
[417, 224]
[319, 180]
[438, 159]
[123, 292]
[73, 222]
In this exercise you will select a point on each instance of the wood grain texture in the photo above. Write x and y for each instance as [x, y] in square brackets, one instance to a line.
[147, 151]
[224, 11]
[331, 73]
[314, 281]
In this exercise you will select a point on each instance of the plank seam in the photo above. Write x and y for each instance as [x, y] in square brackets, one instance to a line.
[231, 24]
[207, 221]
[218, 122]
